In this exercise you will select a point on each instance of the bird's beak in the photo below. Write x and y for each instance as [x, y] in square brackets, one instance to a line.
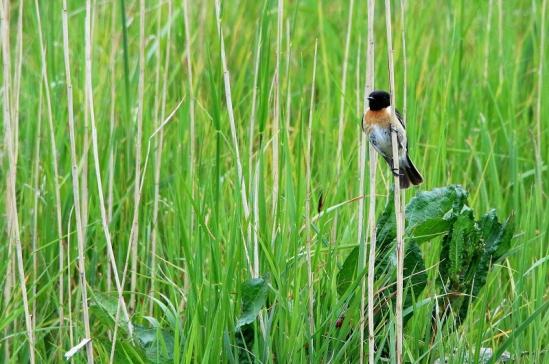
[370, 98]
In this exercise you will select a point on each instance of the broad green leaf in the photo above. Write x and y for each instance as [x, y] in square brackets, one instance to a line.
[430, 213]
[463, 236]
[467, 254]
[497, 241]
[457, 250]
[254, 295]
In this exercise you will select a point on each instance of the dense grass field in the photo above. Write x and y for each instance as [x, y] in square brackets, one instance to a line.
[202, 175]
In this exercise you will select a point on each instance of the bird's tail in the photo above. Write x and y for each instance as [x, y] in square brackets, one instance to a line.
[409, 175]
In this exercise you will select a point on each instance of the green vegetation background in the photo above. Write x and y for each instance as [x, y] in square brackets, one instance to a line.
[472, 92]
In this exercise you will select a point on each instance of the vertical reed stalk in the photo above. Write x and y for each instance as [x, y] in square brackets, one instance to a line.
[69, 269]
[253, 111]
[228, 97]
[253, 177]
[11, 193]
[84, 168]
[370, 78]
[15, 122]
[76, 184]
[134, 233]
[35, 207]
[399, 213]
[112, 127]
[308, 210]
[254, 183]
[95, 147]
[17, 78]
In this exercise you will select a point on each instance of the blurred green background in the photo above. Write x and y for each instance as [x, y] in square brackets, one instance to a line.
[476, 98]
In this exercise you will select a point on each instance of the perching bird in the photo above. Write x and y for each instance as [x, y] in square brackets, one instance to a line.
[377, 124]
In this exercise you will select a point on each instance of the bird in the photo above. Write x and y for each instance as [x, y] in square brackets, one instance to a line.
[378, 123]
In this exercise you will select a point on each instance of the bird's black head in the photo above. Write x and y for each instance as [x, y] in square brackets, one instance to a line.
[379, 100]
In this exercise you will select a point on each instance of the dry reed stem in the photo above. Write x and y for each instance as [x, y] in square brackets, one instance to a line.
[69, 296]
[228, 97]
[128, 251]
[399, 213]
[11, 194]
[97, 165]
[251, 128]
[361, 241]
[17, 78]
[112, 126]
[308, 168]
[84, 161]
[34, 214]
[76, 184]
[253, 180]
[230, 111]
[370, 78]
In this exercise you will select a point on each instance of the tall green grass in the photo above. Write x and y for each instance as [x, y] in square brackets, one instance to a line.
[473, 86]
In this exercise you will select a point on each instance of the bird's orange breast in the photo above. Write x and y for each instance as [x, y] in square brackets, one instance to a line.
[378, 117]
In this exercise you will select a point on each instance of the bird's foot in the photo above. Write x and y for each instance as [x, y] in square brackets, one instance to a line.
[396, 172]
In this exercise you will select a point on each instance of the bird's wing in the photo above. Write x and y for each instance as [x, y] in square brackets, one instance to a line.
[400, 118]
[403, 141]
